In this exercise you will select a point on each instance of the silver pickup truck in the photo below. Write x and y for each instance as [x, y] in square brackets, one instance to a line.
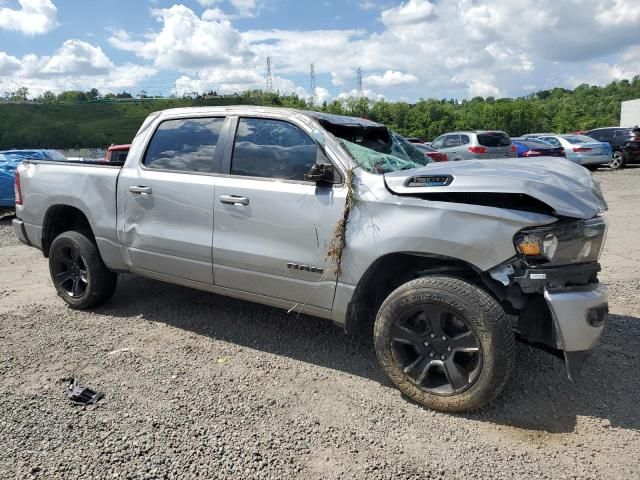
[446, 265]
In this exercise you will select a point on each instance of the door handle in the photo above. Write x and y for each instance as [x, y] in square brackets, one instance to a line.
[234, 200]
[140, 190]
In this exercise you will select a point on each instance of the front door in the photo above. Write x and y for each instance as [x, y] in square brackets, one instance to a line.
[273, 228]
[168, 200]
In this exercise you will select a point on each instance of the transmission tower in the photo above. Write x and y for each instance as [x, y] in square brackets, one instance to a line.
[359, 82]
[269, 76]
[312, 85]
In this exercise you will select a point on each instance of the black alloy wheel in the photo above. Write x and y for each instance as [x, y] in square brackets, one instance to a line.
[437, 349]
[69, 271]
[78, 272]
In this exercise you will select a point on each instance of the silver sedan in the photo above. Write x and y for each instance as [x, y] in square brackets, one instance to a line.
[581, 149]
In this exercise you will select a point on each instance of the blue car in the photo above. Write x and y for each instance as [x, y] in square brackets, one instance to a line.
[534, 147]
[9, 161]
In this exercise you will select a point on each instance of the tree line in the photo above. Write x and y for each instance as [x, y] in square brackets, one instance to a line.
[76, 119]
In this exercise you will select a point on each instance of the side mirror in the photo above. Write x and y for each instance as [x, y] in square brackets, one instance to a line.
[320, 173]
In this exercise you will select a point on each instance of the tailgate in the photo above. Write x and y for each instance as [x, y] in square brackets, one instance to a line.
[498, 144]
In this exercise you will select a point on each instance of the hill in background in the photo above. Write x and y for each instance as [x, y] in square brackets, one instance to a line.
[103, 122]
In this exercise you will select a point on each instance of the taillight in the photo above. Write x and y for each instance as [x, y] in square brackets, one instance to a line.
[581, 149]
[532, 153]
[514, 148]
[444, 158]
[478, 149]
[16, 189]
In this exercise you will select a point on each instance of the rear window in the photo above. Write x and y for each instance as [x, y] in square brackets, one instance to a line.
[184, 145]
[578, 139]
[533, 143]
[494, 139]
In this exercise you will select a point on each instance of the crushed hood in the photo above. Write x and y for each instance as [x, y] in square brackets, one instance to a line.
[567, 188]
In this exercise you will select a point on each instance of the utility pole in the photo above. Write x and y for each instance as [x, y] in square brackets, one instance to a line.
[312, 85]
[269, 76]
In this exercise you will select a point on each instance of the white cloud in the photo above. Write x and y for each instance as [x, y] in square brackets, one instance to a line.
[76, 57]
[8, 64]
[391, 78]
[186, 42]
[445, 48]
[619, 12]
[367, 5]
[75, 65]
[35, 17]
[244, 8]
[411, 12]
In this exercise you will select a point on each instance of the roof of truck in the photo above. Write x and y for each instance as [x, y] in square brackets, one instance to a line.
[252, 109]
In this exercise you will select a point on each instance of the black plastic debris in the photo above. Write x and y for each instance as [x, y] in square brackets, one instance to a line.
[83, 395]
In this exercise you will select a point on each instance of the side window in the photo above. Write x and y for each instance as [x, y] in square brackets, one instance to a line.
[272, 149]
[618, 133]
[438, 142]
[185, 145]
[452, 141]
[464, 140]
[553, 141]
[596, 135]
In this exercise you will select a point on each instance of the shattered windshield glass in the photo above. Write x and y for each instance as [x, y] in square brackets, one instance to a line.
[376, 155]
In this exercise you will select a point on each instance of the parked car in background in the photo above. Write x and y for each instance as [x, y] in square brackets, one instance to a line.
[534, 147]
[537, 135]
[431, 152]
[9, 161]
[582, 150]
[413, 140]
[117, 153]
[480, 145]
[625, 143]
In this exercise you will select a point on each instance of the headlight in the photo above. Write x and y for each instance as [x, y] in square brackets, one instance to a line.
[562, 243]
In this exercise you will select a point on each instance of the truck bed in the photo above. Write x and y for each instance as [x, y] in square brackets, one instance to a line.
[87, 186]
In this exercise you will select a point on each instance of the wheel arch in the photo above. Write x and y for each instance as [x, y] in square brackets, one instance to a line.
[61, 218]
[390, 271]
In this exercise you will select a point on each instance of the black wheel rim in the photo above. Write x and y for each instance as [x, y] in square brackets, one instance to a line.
[437, 349]
[70, 272]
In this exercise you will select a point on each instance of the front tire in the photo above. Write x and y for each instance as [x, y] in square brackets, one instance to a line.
[445, 343]
[78, 272]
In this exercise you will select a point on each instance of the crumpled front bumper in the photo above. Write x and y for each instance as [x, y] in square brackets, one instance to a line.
[579, 316]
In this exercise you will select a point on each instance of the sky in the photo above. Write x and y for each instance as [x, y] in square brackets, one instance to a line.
[407, 49]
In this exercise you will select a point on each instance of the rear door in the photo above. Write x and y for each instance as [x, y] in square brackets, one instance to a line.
[272, 227]
[168, 199]
[498, 144]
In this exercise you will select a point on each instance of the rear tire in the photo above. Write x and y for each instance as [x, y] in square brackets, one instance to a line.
[78, 272]
[445, 343]
[617, 160]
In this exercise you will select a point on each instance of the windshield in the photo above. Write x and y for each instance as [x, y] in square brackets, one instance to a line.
[380, 155]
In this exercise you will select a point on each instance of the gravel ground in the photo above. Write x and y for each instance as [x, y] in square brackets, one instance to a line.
[199, 385]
